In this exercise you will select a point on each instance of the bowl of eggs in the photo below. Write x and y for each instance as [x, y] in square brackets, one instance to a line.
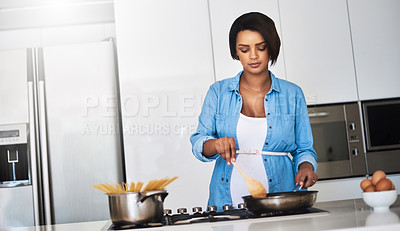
[379, 192]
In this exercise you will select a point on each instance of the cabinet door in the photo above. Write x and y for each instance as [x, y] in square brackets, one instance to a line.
[165, 68]
[376, 35]
[13, 87]
[318, 52]
[222, 15]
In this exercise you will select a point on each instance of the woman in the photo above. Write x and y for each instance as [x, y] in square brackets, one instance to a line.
[258, 115]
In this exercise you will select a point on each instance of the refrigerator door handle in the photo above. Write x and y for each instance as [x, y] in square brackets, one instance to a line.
[44, 156]
[33, 156]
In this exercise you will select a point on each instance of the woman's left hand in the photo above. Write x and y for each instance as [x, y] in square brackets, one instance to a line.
[306, 176]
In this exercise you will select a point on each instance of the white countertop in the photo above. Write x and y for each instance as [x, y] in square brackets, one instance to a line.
[343, 215]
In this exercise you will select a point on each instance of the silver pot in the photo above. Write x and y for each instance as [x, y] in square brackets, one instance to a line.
[136, 207]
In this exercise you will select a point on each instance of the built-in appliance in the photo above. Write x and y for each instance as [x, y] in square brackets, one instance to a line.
[14, 158]
[183, 217]
[16, 189]
[58, 133]
[338, 140]
[382, 134]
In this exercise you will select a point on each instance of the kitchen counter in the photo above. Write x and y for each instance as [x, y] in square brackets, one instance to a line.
[342, 215]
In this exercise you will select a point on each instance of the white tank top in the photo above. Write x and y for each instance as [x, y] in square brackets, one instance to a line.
[250, 133]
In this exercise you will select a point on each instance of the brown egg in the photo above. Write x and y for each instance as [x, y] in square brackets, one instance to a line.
[383, 185]
[370, 188]
[365, 183]
[378, 175]
[393, 187]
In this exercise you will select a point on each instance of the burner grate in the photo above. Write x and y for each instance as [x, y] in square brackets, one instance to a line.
[135, 226]
[204, 217]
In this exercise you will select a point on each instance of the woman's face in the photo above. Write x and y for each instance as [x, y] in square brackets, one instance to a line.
[251, 49]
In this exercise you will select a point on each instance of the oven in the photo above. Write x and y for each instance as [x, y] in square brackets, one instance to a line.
[382, 134]
[338, 140]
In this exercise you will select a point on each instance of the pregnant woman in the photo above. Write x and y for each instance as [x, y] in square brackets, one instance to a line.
[256, 119]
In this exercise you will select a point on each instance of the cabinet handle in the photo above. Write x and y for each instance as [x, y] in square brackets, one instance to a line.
[32, 145]
[318, 114]
[44, 154]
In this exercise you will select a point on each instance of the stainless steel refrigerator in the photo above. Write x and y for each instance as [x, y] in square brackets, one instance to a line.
[66, 99]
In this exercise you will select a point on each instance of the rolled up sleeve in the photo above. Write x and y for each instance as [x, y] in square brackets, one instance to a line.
[304, 139]
[206, 126]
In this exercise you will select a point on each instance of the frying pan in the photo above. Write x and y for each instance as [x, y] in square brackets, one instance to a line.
[281, 201]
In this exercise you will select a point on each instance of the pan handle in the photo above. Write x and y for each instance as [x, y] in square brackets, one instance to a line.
[162, 194]
[298, 188]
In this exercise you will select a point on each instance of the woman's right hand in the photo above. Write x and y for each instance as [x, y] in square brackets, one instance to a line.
[226, 147]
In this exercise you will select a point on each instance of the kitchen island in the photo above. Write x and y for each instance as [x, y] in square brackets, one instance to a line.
[340, 215]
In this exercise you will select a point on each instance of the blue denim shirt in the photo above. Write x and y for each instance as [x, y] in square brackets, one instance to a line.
[289, 130]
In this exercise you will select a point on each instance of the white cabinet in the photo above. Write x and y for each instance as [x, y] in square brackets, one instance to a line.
[376, 35]
[222, 15]
[13, 87]
[165, 69]
[317, 47]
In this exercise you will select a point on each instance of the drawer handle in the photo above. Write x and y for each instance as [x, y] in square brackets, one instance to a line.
[318, 114]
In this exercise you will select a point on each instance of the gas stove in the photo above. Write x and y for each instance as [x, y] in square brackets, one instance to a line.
[182, 216]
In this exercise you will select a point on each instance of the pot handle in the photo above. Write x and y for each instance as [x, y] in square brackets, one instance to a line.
[162, 194]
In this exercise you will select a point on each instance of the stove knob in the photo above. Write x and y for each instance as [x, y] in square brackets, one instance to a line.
[197, 209]
[212, 208]
[227, 207]
[241, 206]
[182, 210]
[167, 211]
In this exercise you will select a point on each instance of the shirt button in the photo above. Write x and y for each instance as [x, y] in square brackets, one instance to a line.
[222, 179]
[266, 99]
[270, 127]
[270, 180]
[240, 99]
[227, 180]
[269, 113]
[265, 159]
[266, 143]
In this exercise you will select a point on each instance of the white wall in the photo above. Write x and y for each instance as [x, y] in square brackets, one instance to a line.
[165, 68]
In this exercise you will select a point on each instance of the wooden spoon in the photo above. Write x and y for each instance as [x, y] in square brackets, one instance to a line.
[256, 189]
